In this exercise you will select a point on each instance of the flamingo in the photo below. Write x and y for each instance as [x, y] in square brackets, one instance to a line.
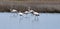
[21, 14]
[13, 11]
[30, 10]
[36, 14]
[26, 12]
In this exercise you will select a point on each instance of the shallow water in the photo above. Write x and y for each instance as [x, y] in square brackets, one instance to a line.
[46, 21]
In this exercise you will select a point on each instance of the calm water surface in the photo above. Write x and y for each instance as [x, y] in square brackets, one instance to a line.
[46, 21]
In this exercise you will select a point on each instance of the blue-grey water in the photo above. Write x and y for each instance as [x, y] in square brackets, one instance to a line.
[46, 21]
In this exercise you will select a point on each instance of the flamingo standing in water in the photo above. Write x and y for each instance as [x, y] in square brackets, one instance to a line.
[30, 10]
[21, 14]
[13, 11]
[36, 14]
[26, 12]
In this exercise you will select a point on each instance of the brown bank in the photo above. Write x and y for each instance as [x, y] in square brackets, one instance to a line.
[41, 6]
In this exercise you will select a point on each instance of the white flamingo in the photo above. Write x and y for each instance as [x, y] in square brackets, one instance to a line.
[13, 11]
[21, 14]
[30, 10]
[26, 12]
[36, 14]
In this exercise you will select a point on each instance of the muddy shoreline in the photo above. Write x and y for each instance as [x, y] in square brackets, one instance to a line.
[20, 6]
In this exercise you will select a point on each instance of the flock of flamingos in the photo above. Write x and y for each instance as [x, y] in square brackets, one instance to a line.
[36, 14]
